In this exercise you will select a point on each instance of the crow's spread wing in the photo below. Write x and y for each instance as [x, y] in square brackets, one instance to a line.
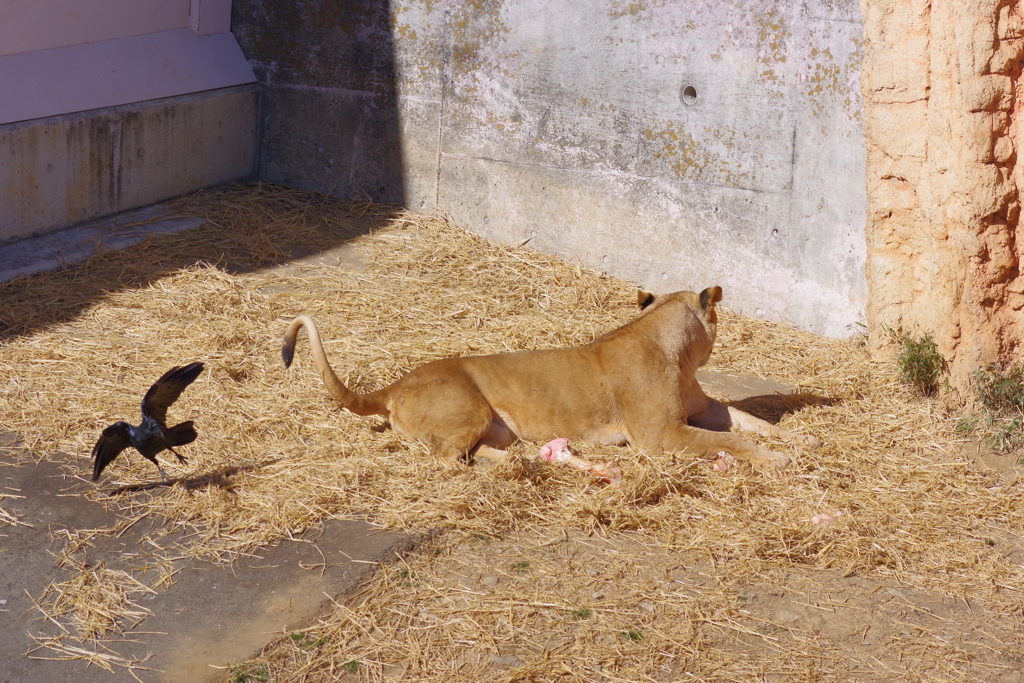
[167, 389]
[114, 439]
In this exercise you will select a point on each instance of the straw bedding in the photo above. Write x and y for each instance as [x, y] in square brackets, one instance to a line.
[888, 496]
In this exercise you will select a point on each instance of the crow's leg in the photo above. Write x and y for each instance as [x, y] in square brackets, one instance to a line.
[181, 458]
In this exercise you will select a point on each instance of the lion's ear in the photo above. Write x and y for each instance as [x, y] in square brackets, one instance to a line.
[644, 299]
[710, 297]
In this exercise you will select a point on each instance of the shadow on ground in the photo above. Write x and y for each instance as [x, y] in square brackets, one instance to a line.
[220, 478]
[209, 617]
[767, 399]
[241, 229]
[773, 407]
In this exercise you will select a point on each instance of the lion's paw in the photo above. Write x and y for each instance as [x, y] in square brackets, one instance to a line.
[770, 461]
[810, 440]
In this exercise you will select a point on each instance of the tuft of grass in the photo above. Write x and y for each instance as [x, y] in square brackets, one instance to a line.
[402, 576]
[521, 567]
[581, 613]
[351, 666]
[967, 426]
[1000, 390]
[920, 363]
[245, 673]
[305, 641]
[1009, 434]
[632, 634]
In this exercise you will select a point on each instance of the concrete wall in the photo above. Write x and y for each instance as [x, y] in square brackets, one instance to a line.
[127, 70]
[63, 170]
[45, 24]
[568, 123]
[330, 112]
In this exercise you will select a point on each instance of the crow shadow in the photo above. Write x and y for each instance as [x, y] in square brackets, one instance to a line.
[220, 478]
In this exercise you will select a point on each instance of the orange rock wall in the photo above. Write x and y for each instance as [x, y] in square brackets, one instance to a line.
[941, 83]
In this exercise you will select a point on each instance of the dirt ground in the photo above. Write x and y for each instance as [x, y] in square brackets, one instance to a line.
[199, 616]
[608, 607]
[600, 607]
[892, 552]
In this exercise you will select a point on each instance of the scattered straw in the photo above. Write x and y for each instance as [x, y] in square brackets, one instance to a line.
[9, 518]
[95, 600]
[276, 456]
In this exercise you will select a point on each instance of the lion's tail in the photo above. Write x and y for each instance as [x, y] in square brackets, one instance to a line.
[360, 404]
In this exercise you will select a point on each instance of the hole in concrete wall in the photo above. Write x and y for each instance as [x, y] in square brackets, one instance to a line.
[688, 95]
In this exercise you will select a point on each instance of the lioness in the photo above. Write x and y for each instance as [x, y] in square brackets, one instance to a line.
[634, 385]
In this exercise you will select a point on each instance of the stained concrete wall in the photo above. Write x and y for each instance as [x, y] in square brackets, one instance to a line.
[63, 170]
[570, 124]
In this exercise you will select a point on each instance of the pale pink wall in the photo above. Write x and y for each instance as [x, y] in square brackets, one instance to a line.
[210, 16]
[64, 56]
[119, 71]
[27, 25]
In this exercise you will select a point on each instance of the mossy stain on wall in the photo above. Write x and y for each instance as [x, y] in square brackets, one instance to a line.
[695, 158]
[830, 78]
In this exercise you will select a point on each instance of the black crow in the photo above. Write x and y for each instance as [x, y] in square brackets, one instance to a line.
[153, 435]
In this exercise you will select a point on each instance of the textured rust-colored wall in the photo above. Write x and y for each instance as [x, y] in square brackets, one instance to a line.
[941, 91]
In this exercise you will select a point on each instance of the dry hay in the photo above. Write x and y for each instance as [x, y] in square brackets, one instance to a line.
[275, 456]
[573, 607]
[90, 605]
[8, 518]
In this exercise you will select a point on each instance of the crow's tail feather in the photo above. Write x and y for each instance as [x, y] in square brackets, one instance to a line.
[181, 434]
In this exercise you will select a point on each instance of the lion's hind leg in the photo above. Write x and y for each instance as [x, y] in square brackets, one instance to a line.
[448, 414]
[493, 446]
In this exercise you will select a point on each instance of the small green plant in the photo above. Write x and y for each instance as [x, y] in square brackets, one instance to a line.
[859, 333]
[967, 426]
[1000, 390]
[581, 613]
[1009, 436]
[305, 641]
[250, 671]
[632, 634]
[920, 363]
[402, 576]
[352, 666]
[521, 567]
